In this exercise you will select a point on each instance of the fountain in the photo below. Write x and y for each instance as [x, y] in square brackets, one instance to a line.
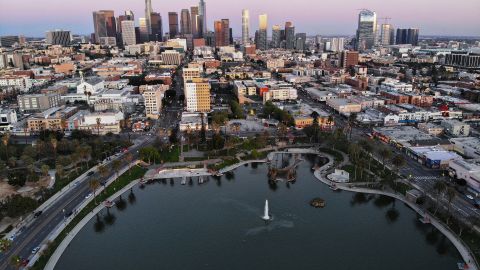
[266, 215]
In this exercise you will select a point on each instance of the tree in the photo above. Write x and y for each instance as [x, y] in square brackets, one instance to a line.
[351, 121]
[116, 165]
[5, 141]
[368, 148]
[439, 187]
[451, 194]
[16, 262]
[129, 159]
[384, 153]
[282, 130]
[93, 185]
[98, 124]
[103, 171]
[45, 169]
[54, 143]
[398, 161]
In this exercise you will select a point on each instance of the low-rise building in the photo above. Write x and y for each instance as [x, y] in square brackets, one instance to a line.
[102, 123]
[456, 128]
[38, 102]
[464, 170]
[467, 146]
[344, 106]
[193, 122]
[8, 118]
[433, 157]
[431, 129]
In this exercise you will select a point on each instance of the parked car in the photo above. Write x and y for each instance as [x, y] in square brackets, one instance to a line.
[37, 214]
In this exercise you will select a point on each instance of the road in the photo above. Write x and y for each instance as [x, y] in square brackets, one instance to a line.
[422, 177]
[35, 233]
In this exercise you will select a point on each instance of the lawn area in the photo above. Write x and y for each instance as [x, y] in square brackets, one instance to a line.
[134, 173]
[338, 157]
[226, 162]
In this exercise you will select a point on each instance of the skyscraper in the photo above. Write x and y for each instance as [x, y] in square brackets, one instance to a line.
[386, 34]
[202, 12]
[185, 23]
[143, 30]
[262, 35]
[407, 36]
[59, 37]
[128, 32]
[367, 24]
[276, 36]
[148, 14]
[157, 27]
[289, 36]
[300, 40]
[173, 24]
[222, 33]
[245, 26]
[104, 24]
[194, 17]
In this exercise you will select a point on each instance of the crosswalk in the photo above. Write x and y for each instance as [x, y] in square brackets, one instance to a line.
[425, 177]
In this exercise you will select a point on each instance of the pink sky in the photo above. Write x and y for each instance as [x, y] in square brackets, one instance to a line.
[440, 17]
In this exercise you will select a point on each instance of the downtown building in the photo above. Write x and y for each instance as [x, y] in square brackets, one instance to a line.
[173, 24]
[245, 26]
[289, 36]
[197, 95]
[222, 33]
[58, 37]
[105, 27]
[261, 36]
[367, 24]
[407, 36]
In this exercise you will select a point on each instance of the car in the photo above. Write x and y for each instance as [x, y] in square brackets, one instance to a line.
[12, 237]
[37, 214]
[88, 195]
[90, 173]
[469, 196]
[35, 250]
[68, 214]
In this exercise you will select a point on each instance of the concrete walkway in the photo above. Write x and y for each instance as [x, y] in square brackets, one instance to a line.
[462, 248]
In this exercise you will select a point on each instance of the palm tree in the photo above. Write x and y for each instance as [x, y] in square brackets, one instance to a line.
[93, 185]
[439, 188]
[16, 261]
[98, 124]
[54, 143]
[451, 194]
[103, 171]
[384, 153]
[45, 169]
[129, 159]
[398, 161]
[116, 164]
[351, 120]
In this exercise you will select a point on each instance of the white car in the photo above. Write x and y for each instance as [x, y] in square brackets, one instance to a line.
[88, 195]
[469, 197]
[35, 250]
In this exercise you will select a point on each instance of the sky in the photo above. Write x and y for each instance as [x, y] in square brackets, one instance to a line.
[33, 18]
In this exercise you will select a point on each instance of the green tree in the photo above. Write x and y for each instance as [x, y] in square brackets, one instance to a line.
[451, 194]
[439, 187]
[385, 154]
[94, 184]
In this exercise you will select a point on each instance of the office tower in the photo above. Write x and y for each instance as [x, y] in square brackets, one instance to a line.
[318, 42]
[173, 24]
[276, 36]
[386, 34]
[392, 36]
[157, 27]
[407, 36]
[261, 40]
[202, 12]
[9, 41]
[194, 17]
[349, 59]
[222, 33]
[231, 36]
[337, 44]
[209, 38]
[289, 36]
[197, 95]
[185, 23]
[128, 33]
[245, 26]
[104, 24]
[148, 14]
[128, 16]
[143, 30]
[59, 37]
[367, 21]
[300, 40]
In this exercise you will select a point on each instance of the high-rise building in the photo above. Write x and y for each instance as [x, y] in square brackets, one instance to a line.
[59, 37]
[349, 59]
[202, 12]
[128, 16]
[173, 24]
[407, 36]
[300, 40]
[336, 44]
[148, 14]
[197, 95]
[185, 23]
[261, 41]
[194, 17]
[289, 36]
[157, 27]
[9, 41]
[222, 33]
[143, 30]
[245, 26]
[367, 24]
[128, 33]
[276, 36]
[386, 37]
[104, 24]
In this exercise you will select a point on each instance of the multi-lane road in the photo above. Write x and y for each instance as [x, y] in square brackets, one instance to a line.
[33, 234]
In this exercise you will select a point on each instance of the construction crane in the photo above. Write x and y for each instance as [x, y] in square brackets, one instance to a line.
[385, 19]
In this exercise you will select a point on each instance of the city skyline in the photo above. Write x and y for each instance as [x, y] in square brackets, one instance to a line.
[333, 19]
